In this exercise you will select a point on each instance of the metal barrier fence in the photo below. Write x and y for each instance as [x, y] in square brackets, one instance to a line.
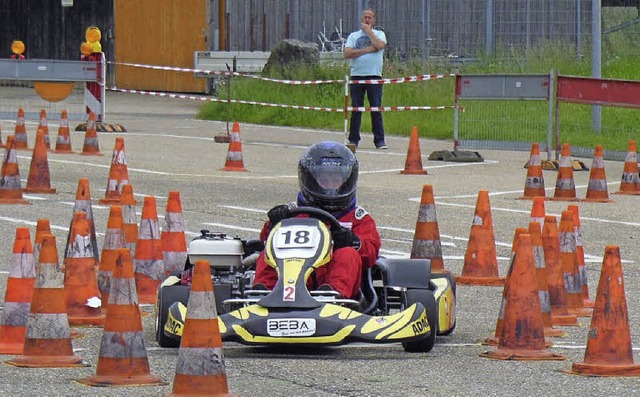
[52, 85]
[525, 106]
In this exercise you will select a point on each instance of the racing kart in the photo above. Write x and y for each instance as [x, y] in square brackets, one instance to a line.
[400, 299]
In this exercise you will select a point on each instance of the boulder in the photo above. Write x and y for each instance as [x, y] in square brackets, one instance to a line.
[291, 54]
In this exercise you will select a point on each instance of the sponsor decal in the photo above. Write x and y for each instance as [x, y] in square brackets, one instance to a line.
[173, 326]
[360, 213]
[420, 327]
[291, 327]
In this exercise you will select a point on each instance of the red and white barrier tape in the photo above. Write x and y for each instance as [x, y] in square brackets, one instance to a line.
[300, 107]
[398, 80]
[237, 74]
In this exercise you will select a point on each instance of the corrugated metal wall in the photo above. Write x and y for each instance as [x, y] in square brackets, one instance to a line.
[50, 31]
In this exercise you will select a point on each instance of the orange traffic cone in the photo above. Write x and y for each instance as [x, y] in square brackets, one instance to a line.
[123, 356]
[523, 329]
[113, 240]
[18, 294]
[118, 174]
[534, 184]
[39, 180]
[541, 279]
[10, 183]
[83, 204]
[174, 240]
[555, 274]
[609, 350]
[63, 141]
[582, 269]
[597, 190]
[630, 183]
[20, 132]
[413, 163]
[201, 369]
[426, 239]
[129, 218]
[42, 227]
[91, 145]
[234, 153]
[538, 211]
[565, 185]
[569, 262]
[149, 260]
[481, 260]
[44, 125]
[80, 278]
[48, 340]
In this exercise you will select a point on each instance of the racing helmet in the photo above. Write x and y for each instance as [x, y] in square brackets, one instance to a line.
[328, 176]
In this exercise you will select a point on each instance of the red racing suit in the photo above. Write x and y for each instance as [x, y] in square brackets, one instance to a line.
[344, 271]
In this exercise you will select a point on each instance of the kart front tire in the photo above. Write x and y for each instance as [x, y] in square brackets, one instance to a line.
[428, 300]
[166, 297]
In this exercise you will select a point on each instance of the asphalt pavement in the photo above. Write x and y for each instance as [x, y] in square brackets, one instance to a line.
[167, 148]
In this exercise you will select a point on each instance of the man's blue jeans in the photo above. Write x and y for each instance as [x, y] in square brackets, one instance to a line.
[374, 95]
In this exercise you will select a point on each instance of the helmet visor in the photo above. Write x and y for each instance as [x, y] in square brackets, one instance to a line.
[332, 177]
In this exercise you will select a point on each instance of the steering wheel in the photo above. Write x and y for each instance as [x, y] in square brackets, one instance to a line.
[318, 214]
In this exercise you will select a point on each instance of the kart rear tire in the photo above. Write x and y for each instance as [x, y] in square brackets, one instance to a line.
[166, 297]
[428, 300]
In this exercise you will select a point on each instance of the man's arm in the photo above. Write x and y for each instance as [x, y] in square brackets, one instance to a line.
[376, 42]
[350, 53]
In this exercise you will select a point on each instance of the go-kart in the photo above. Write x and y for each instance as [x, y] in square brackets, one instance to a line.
[400, 300]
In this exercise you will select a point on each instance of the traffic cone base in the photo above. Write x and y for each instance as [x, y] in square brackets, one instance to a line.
[604, 369]
[565, 320]
[480, 280]
[413, 163]
[519, 354]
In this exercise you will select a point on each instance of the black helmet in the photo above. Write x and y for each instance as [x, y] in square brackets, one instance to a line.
[328, 176]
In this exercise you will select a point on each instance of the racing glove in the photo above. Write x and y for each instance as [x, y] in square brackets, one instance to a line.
[344, 237]
[278, 213]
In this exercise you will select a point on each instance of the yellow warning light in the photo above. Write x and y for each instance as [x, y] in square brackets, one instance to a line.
[17, 47]
[92, 34]
[85, 48]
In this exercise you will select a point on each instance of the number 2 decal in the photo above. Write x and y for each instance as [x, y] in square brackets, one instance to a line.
[289, 293]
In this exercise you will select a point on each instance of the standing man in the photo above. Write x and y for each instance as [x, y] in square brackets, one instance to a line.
[365, 48]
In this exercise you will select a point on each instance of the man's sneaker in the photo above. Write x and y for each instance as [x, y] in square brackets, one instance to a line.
[383, 146]
[353, 144]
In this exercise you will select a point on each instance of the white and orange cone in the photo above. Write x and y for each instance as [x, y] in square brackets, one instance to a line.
[129, 218]
[20, 132]
[63, 141]
[534, 184]
[91, 145]
[123, 357]
[597, 191]
[39, 180]
[149, 259]
[44, 125]
[18, 295]
[174, 240]
[48, 341]
[113, 240]
[201, 369]
[118, 174]
[80, 279]
[426, 239]
[234, 160]
[10, 182]
[565, 184]
[630, 183]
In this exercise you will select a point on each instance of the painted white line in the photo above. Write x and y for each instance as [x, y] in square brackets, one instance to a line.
[234, 207]
[234, 227]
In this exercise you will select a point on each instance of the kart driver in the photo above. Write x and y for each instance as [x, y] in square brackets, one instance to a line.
[328, 178]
